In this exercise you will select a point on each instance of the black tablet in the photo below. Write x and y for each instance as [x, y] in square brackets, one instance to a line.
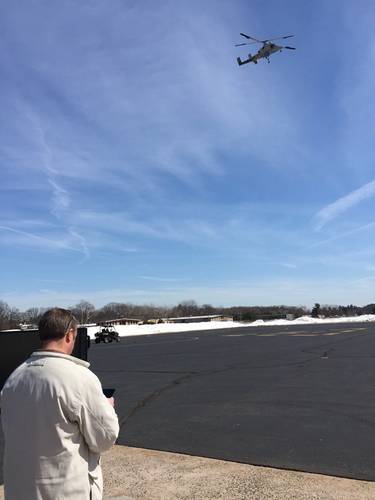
[108, 393]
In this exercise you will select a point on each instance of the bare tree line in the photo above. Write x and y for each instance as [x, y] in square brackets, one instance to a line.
[86, 312]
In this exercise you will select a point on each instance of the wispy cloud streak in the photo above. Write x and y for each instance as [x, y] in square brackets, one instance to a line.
[166, 280]
[28, 239]
[334, 210]
[345, 234]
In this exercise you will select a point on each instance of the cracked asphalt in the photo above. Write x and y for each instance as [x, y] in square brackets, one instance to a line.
[298, 398]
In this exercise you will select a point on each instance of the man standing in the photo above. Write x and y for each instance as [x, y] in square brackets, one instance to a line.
[56, 420]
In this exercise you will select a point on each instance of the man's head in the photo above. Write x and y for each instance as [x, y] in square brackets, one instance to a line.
[58, 330]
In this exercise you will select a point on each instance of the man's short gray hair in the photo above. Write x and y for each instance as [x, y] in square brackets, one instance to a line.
[55, 323]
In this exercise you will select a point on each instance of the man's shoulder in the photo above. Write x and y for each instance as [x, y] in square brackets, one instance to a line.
[17, 372]
[52, 355]
[63, 364]
[62, 369]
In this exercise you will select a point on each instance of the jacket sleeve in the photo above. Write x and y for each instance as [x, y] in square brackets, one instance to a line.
[97, 419]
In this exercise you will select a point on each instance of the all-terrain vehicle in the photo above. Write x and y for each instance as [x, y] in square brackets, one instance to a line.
[107, 334]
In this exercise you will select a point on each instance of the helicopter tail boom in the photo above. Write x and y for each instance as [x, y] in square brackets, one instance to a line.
[249, 59]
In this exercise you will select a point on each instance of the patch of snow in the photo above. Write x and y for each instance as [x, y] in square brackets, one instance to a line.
[130, 330]
[308, 320]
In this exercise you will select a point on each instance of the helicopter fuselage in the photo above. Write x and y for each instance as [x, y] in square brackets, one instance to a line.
[263, 53]
[267, 50]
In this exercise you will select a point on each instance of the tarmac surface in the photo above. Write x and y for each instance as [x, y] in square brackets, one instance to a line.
[298, 398]
[294, 398]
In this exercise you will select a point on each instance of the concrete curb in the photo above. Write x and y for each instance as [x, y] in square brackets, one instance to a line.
[139, 474]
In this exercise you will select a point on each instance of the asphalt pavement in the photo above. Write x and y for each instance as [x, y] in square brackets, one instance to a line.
[298, 398]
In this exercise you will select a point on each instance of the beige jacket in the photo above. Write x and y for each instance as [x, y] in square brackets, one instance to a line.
[56, 422]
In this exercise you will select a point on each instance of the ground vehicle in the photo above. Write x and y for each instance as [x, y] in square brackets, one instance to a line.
[107, 334]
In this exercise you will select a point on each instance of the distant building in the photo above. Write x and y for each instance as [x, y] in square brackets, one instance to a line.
[185, 319]
[198, 319]
[272, 316]
[119, 321]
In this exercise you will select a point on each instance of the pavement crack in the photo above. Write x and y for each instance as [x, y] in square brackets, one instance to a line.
[322, 348]
[155, 394]
[189, 375]
[185, 377]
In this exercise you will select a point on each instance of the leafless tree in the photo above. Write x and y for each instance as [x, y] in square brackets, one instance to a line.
[187, 308]
[32, 315]
[83, 311]
[5, 315]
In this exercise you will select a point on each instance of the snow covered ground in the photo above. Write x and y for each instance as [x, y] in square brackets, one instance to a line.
[308, 320]
[130, 330]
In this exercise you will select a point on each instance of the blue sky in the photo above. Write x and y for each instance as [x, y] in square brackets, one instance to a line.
[140, 164]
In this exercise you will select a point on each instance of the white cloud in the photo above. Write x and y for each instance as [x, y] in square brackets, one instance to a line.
[264, 292]
[82, 242]
[15, 237]
[344, 234]
[335, 209]
[61, 198]
[156, 227]
[167, 280]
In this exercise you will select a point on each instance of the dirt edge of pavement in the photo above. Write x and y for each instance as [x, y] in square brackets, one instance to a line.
[135, 474]
[156, 475]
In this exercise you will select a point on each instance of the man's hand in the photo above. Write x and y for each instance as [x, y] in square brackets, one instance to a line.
[111, 401]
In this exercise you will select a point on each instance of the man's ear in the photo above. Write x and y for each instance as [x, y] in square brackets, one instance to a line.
[70, 336]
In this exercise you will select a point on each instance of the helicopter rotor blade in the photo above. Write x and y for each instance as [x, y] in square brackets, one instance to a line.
[277, 38]
[249, 43]
[251, 38]
[290, 48]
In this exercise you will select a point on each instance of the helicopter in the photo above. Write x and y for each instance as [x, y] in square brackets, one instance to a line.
[266, 51]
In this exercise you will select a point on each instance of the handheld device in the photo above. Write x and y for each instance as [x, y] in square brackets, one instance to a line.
[108, 393]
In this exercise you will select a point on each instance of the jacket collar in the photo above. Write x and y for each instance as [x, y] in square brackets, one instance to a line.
[56, 354]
